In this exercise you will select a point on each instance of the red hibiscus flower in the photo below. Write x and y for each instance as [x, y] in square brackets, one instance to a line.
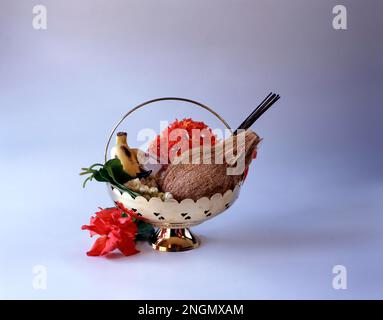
[117, 230]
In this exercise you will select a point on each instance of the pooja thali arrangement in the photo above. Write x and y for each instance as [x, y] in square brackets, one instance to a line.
[180, 181]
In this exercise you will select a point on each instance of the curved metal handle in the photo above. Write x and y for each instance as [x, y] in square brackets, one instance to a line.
[157, 100]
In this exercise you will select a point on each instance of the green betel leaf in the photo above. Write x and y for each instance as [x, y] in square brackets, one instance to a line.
[144, 230]
[109, 169]
[102, 175]
[112, 172]
[115, 169]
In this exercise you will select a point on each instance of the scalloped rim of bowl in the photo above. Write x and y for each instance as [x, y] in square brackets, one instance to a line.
[238, 185]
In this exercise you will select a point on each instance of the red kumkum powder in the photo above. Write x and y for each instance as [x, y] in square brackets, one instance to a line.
[163, 144]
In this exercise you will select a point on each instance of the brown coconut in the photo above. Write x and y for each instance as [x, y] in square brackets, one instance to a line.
[196, 180]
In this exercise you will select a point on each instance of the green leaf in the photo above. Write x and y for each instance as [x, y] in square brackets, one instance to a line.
[144, 230]
[112, 172]
[102, 175]
[115, 170]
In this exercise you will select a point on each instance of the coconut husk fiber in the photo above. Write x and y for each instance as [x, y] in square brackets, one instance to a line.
[197, 173]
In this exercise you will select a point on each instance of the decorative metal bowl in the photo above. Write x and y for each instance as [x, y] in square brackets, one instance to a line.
[173, 218]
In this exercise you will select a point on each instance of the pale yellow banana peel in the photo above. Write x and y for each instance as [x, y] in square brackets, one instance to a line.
[127, 156]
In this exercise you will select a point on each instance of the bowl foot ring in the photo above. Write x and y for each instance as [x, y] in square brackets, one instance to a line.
[173, 240]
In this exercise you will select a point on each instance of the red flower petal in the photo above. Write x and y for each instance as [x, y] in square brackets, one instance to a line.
[127, 246]
[97, 226]
[103, 246]
[98, 247]
[129, 212]
[130, 230]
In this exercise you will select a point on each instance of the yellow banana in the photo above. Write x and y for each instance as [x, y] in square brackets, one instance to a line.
[127, 156]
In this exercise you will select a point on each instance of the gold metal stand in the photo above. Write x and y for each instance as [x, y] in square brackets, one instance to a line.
[172, 240]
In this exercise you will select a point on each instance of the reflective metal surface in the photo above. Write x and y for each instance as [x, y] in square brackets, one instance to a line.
[173, 240]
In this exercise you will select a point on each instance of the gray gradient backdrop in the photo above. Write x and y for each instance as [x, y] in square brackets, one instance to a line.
[312, 200]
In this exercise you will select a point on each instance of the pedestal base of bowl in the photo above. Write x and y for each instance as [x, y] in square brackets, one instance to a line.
[173, 240]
